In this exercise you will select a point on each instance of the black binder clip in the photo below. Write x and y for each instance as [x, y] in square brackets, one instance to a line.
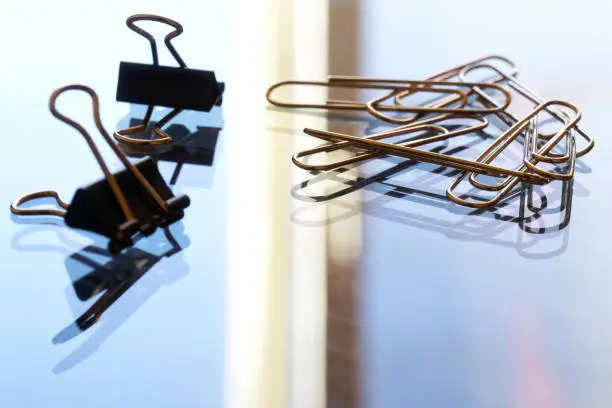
[133, 201]
[178, 88]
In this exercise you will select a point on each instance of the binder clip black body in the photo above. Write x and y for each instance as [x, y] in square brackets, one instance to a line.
[133, 201]
[179, 88]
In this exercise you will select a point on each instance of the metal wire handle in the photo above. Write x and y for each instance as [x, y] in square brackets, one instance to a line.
[117, 192]
[178, 30]
[17, 210]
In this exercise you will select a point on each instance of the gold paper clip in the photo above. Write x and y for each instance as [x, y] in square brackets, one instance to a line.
[134, 200]
[507, 117]
[447, 75]
[452, 72]
[535, 98]
[426, 124]
[426, 156]
[375, 107]
[529, 122]
[398, 95]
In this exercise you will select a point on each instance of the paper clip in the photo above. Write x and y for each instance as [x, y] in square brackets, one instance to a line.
[442, 76]
[453, 72]
[529, 122]
[556, 112]
[374, 107]
[426, 156]
[454, 95]
[426, 124]
[447, 75]
[133, 200]
[178, 88]
[536, 99]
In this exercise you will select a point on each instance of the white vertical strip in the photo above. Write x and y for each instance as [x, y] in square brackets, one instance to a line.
[255, 339]
[308, 284]
[267, 43]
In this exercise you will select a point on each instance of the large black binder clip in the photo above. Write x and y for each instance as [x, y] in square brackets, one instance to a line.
[133, 201]
[178, 88]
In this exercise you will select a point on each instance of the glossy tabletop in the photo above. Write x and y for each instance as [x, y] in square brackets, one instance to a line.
[364, 287]
[162, 342]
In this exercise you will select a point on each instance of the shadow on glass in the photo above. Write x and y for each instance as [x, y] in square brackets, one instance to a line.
[540, 212]
[100, 277]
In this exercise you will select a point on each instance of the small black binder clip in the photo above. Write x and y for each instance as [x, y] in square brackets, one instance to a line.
[135, 200]
[179, 88]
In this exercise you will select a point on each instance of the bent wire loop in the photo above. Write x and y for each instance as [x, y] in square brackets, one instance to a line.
[121, 234]
[375, 107]
[179, 88]
[124, 134]
[398, 95]
[427, 156]
[426, 124]
[529, 122]
[527, 203]
[531, 151]
[452, 102]
[453, 72]
[554, 110]
[16, 206]
[535, 98]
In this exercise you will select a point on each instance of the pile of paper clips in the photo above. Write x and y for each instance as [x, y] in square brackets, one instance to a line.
[546, 156]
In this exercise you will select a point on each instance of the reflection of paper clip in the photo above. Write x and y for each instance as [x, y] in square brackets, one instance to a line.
[485, 225]
[548, 232]
[155, 85]
[134, 200]
[528, 204]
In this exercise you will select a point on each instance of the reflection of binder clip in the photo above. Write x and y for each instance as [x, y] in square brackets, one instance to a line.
[134, 200]
[187, 147]
[178, 88]
[114, 279]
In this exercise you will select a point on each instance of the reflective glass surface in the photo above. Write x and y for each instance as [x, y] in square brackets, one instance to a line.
[447, 306]
[363, 287]
[160, 337]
